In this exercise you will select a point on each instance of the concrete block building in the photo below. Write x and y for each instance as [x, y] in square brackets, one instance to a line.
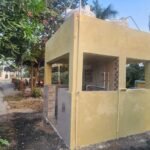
[96, 106]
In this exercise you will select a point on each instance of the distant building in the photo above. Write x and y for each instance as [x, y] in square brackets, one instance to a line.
[7, 73]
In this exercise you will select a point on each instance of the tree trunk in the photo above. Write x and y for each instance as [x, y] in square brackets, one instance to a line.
[36, 76]
[21, 67]
[31, 76]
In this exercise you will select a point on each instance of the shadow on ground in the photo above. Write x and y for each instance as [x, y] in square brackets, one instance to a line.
[136, 142]
[26, 132]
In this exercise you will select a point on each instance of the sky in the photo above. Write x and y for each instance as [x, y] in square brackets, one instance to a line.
[138, 9]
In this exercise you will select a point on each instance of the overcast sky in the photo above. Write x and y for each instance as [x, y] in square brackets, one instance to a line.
[138, 9]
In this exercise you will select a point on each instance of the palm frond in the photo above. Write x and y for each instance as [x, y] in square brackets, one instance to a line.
[103, 13]
[109, 12]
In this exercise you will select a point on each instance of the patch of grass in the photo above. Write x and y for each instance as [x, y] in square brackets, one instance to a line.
[36, 92]
[17, 97]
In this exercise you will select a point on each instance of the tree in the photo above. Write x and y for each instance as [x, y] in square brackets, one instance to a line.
[134, 72]
[103, 13]
[15, 25]
[61, 5]
[21, 23]
[19, 26]
[52, 22]
[26, 26]
[57, 7]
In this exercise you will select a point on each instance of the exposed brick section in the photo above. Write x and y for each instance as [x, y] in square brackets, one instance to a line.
[50, 101]
[116, 74]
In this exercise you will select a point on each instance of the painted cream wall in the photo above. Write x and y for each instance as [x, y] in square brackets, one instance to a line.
[107, 38]
[147, 74]
[65, 41]
[61, 42]
[92, 111]
[97, 117]
[47, 73]
[134, 112]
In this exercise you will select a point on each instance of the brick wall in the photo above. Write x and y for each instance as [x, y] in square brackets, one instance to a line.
[49, 101]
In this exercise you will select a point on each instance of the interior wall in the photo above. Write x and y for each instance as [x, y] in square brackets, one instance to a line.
[103, 73]
[98, 73]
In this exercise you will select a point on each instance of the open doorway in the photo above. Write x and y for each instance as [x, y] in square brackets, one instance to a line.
[60, 74]
[59, 87]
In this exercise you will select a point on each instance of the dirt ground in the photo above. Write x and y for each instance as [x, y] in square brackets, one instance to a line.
[25, 131]
[23, 104]
[35, 105]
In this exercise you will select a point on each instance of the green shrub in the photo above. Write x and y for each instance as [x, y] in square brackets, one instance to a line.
[4, 142]
[36, 92]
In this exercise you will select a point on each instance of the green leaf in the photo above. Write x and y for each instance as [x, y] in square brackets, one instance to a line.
[4, 142]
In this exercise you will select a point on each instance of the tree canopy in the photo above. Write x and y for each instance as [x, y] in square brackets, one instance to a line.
[103, 13]
[134, 72]
[26, 25]
[20, 26]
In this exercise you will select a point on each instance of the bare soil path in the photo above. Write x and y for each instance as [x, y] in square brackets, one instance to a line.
[25, 131]
[5, 89]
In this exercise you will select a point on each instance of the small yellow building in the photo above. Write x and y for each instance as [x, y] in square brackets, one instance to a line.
[96, 106]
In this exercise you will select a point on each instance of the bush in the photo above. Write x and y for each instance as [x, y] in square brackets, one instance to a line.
[36, 92]
[4, 142]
